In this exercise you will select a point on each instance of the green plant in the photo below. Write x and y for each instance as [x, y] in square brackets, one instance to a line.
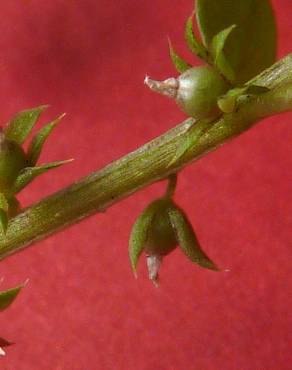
[6, 299]
[236, 87]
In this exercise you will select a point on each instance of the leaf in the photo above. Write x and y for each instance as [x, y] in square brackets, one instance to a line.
[180, 64]
[3, 213]
[252, 45]
[228, 102]
[8, 296]
[256, 89]
[139, 233]
[30, 173]
[21, 125]
[193, 134]
[220, 61]
[36, 145]
[193, 43]
[187, 239]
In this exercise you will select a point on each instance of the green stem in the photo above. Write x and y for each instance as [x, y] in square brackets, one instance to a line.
[148, 164]
[171, 186]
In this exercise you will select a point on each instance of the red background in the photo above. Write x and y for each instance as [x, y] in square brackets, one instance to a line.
[82, 309]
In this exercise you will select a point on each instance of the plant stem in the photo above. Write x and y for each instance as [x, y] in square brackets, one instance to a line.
[171, 186]
[150, 163]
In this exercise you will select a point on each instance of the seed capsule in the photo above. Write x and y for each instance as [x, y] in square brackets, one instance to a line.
[158, 230]
[196, 91]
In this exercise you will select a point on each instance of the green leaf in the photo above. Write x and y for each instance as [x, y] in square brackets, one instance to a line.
[8, 296]
[252, 45]
[256, 89]
[3, 213]
[229, 102]
[193, 43]
[187, 239]
[139, 233]
[30, 173]
[220, 61]
[21, 125]
[36, 145]
[193, 134]
[180, 64]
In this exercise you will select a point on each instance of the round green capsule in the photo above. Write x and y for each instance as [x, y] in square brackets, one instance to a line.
[198, 91]
[161, 238]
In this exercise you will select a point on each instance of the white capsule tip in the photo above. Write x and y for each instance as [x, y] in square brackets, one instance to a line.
[153, 265]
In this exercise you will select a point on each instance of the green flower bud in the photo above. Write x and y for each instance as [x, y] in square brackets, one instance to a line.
[158, 230]
[12, 161]
[196, 91]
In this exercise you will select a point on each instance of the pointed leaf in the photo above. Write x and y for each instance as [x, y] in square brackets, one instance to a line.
[36, 145]
[30, 173]
[3, 213]
[194, 133]
[228, 103]
[180, 64]
[252, 46]
[256, 89]
[220, 61]
[219, 40]
[8, 296]
[187, 239]
[20, 126]
[193, 43]
[139, 233]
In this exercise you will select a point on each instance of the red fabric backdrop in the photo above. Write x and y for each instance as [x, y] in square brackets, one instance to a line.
[82, 309]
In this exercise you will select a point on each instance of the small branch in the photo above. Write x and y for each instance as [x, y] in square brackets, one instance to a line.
[148, 164]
